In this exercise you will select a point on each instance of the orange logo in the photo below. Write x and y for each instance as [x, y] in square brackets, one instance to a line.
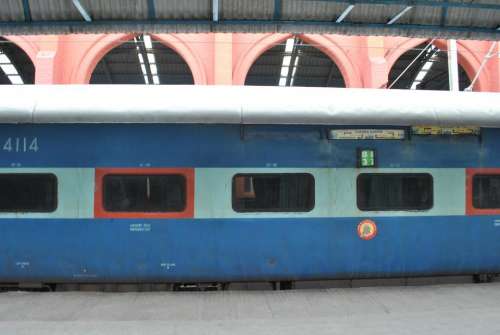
[367, 229]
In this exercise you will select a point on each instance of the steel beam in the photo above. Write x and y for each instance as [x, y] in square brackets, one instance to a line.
[426, 3]
[399, 15]
[344, 14]
[444, 14]
[82, 10]
[215, 10]
[277, 9]
[27, 10]
[151, 9]
[34, 27]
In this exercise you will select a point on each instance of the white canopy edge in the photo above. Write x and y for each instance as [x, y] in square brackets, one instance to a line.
[245, 105]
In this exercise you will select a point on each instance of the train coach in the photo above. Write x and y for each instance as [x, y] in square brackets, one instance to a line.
[222, 184]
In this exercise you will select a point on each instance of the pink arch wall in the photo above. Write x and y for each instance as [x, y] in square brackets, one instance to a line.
[329, 45]
[363, 61]
[42, 52]
[247, 48]
[250, 49]
[71, 59]
[94, 51]
[186, 47]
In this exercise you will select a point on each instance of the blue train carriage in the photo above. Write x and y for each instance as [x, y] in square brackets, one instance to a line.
[223, 184]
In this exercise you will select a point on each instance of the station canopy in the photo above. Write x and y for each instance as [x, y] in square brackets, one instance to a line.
[458, 19]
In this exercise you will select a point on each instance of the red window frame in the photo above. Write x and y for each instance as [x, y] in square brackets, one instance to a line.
[470, 209]
[100, 212]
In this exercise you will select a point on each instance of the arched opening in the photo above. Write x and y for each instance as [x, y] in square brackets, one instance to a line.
[295, 63]
[142, 60]
[424, 67]
[16, 68]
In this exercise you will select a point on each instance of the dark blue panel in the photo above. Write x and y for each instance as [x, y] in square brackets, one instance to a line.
[204, 250]
[122, 145]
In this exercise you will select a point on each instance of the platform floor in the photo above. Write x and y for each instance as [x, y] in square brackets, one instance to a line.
[435, 309]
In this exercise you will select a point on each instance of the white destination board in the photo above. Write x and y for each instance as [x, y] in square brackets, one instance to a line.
[366, 134]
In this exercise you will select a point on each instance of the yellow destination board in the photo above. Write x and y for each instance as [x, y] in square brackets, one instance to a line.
[434, 130]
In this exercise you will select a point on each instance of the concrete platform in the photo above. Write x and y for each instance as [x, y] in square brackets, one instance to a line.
[438, 309]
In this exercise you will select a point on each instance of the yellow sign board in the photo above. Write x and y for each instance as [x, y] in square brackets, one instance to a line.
[434, 130]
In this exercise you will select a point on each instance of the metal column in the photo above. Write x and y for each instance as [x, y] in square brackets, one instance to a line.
[453, 65]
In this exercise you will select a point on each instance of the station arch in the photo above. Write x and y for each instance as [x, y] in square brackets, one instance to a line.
[436, 76]
[106, 43]
[141, 59]
[265, 54]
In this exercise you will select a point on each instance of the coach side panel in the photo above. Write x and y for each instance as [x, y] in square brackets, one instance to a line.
[214, 242]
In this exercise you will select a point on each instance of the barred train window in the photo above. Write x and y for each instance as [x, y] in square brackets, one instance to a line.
[28, 192]
[144, 193]
[394, 191]
[273, 192]
[486, 191]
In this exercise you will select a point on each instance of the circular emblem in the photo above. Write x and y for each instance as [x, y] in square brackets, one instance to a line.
[367, 229]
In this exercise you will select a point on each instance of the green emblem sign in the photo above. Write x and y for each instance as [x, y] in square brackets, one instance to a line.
[366, 158]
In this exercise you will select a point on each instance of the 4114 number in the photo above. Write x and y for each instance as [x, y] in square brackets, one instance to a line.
[21, 144]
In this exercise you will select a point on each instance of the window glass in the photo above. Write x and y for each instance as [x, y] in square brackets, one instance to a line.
[28, 192]
[394, 191]
[284, 192]
[144, 193]
[486, 191]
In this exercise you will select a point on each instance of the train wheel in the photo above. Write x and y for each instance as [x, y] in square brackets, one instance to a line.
[283, 285]
[479, 278]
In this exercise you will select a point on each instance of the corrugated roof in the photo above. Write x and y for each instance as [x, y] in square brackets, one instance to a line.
[464, 19]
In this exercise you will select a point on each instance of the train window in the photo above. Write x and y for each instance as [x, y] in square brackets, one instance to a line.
[144, 193]
[273, 192]
[394, 191]
[486, 191]
[28, 192]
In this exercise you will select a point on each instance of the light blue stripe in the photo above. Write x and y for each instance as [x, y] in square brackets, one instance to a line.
[75, 197]
[335, 192]
[449, 193]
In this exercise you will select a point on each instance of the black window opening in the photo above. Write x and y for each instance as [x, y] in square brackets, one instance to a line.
[295, 63]
[266, 192]
[28, 192]
[394, 191]
[424, 67]
[16, 67]
[144, 193]
[142, 60]
[486, 191]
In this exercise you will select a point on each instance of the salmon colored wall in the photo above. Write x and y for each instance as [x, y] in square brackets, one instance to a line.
[364, 61]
